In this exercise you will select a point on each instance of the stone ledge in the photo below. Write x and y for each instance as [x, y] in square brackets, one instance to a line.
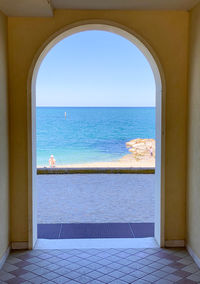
[84, 170]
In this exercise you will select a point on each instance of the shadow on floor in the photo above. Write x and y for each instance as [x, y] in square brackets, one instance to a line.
[95, 230]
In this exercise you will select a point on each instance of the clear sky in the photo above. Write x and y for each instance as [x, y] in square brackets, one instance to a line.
[95, 68]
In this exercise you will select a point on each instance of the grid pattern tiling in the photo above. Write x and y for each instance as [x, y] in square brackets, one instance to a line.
[100, 266]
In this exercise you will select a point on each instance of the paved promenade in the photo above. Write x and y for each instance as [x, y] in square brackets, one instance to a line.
[96, 198]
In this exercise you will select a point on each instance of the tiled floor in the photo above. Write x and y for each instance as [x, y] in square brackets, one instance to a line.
[116, 266]
[93, 230]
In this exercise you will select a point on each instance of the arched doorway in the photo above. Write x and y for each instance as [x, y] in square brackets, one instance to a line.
[159, 80]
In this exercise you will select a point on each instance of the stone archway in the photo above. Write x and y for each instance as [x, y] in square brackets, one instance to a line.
[160, 116]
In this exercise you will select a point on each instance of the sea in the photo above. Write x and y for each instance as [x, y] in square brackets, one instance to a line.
[90, 134]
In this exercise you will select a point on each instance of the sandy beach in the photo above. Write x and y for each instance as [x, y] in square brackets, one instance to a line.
[127, 161]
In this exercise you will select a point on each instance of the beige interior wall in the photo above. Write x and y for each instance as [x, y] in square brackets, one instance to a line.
[167, 33]
[4, 157]
[193, 184]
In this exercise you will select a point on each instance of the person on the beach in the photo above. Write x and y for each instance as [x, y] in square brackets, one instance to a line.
[151, 150]
[52, 162]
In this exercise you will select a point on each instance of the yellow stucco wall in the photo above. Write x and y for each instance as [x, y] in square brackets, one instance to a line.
[193, 182]
[167, 33]
[4, 149]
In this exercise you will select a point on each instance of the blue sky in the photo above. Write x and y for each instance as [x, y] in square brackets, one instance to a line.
[95, 68]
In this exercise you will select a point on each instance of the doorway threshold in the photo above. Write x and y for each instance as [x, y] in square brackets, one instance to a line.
[96, 243]
[95, 230]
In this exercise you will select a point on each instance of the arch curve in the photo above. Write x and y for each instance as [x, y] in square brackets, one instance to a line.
[156, 67]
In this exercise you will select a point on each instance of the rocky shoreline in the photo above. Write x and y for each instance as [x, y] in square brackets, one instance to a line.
[142, 155]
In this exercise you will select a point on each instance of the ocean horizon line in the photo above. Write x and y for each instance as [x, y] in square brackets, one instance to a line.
[97, 106]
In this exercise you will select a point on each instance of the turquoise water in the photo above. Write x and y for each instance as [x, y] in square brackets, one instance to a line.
[90, 134]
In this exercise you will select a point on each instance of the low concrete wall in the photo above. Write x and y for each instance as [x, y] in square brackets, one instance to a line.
[45, 171]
